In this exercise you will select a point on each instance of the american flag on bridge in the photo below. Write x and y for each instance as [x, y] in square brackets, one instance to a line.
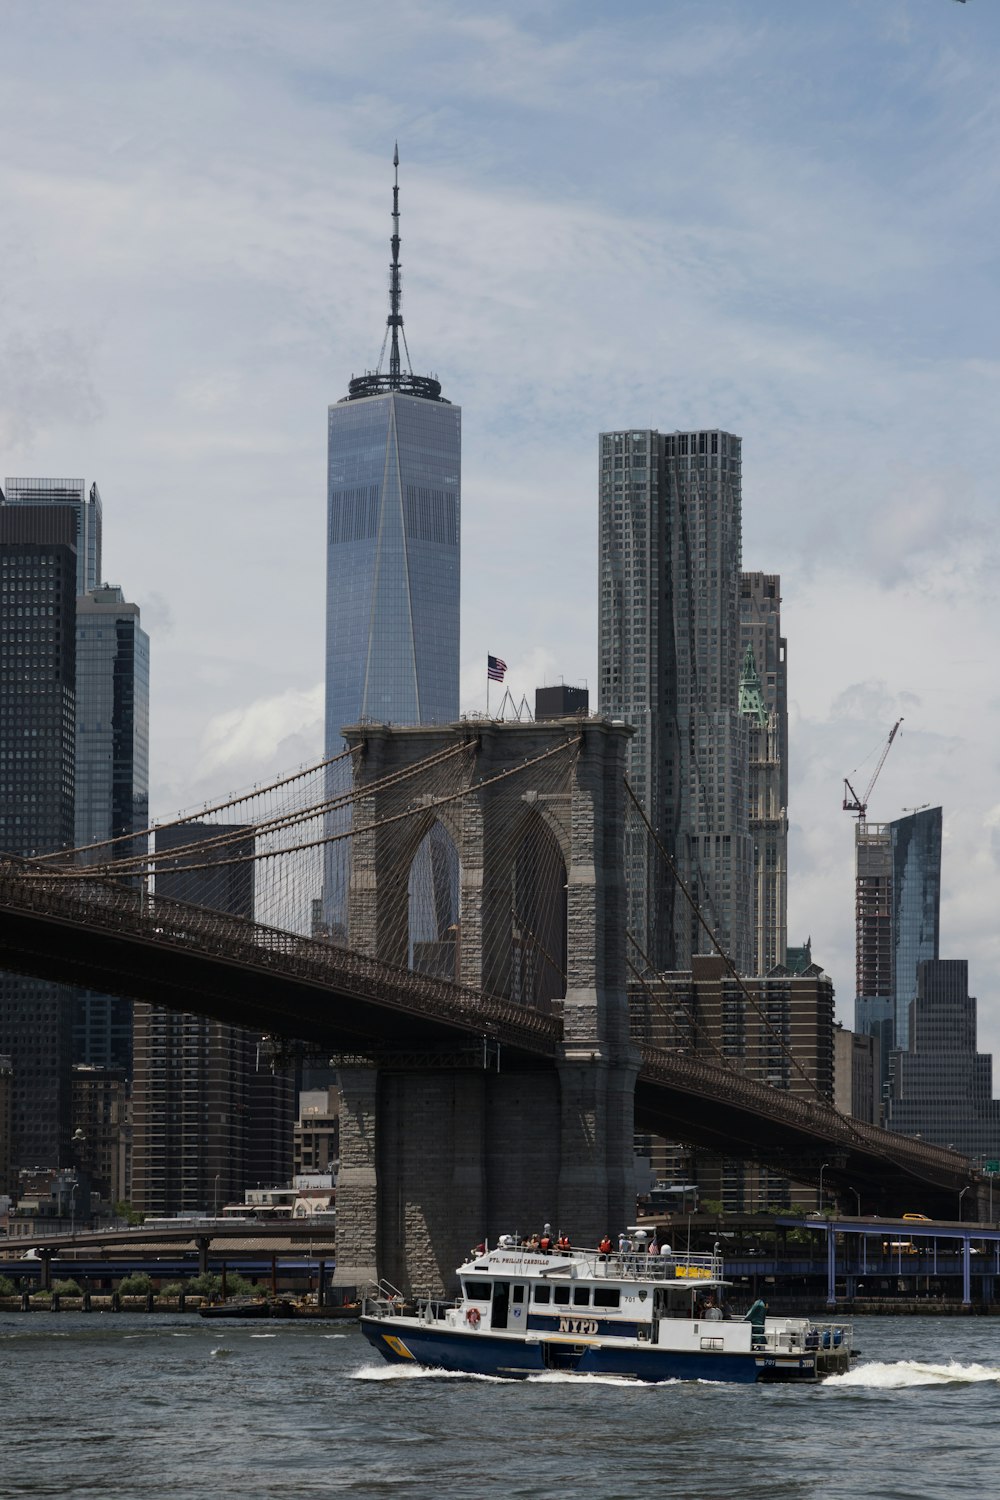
[495, 668]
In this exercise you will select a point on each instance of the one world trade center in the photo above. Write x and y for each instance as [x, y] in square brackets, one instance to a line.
[393, 532]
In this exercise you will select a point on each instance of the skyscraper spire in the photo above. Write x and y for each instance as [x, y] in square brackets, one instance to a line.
[395, 321]
[377, 382]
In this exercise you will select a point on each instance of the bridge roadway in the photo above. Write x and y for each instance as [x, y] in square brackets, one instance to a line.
[116, 939]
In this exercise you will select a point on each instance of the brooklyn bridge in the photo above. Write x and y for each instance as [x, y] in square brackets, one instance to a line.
[442, 911]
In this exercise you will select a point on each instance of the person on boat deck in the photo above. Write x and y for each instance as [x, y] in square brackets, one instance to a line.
[545, 1239]
[712, 1311]
[605, 1247]
[562, 1243]
[532, 1244]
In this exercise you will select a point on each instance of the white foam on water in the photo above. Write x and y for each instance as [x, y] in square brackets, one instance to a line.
[335, 1335]
[541, 1377]
[906, 1373]
[566, 1377]
[221, 1353]
[418, 1372]
[263, 1335]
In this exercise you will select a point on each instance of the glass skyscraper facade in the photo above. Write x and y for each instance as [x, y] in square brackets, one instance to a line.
[38, 571]
[941, 1088]
[898, 869]
[393, 582]
[669, 648]
[394, 463]
[112, 779]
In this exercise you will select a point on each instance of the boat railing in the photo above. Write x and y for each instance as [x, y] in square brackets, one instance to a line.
[829, 1335]
[618, 1265]
[382, 1300]
[431, 1309]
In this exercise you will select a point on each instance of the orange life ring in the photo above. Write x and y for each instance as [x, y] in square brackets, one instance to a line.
[472, 1317]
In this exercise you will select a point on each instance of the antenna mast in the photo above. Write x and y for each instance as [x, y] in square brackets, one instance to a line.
[395, 320]
[378, 382]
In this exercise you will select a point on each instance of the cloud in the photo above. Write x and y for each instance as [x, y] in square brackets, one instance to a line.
[777, 219]
[264, 732]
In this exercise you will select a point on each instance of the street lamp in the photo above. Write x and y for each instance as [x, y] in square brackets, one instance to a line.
[960, 1197]
[215, 1212]
[857, 1196]
[821, 1171]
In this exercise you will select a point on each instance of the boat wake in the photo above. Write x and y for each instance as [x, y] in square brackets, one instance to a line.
[543, 1377]
[912, 1372]
[419, 1372]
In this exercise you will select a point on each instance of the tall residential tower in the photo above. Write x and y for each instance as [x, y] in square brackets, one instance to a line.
[669, 643]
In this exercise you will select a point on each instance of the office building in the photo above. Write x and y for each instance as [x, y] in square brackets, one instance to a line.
[898, 902]
[102, 1131]
[317, 1131]
[393, 533]
[205, 1126]
[393, 529]
[669, 650]
[38, 575]
[112, 780]
[857, 1074]
[940, 1087]
[87, 511]
[764, 703]
[782, 1035]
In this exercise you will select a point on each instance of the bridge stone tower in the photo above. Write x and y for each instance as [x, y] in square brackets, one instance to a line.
[436, 1153]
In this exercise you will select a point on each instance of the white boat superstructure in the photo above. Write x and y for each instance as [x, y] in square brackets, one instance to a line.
[628, 1313]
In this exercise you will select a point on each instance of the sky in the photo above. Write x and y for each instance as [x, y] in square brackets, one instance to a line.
[779, 217]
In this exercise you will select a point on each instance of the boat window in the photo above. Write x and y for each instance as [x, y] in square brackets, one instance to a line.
[606, 1296]
[479, 1291]
[581, 1296]
[542, 1293]
[518, 1294]
[561, 1295]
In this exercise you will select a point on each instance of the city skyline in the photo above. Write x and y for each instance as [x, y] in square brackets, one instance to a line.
[184, 299]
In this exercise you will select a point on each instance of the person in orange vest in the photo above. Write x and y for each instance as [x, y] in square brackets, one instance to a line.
[605, 1247]
[562, 1243]
[545, 1239]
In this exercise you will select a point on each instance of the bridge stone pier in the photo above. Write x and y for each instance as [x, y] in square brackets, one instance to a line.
[436, 1153]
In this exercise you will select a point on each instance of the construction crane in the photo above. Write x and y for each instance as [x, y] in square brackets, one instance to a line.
[855, 804]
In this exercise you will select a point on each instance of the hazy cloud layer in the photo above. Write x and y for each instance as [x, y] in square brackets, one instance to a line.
[777, 218]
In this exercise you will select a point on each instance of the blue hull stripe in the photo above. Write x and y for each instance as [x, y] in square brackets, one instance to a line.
[488, 1354]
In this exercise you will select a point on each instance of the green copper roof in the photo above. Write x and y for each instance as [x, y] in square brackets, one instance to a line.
[751, 697]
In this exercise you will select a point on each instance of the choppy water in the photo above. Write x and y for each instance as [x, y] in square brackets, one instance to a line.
[146, 1408]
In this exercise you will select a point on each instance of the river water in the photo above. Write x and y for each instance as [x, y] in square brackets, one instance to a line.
[151, 1407]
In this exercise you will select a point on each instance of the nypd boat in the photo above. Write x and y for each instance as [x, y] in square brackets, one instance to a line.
[626, 1314]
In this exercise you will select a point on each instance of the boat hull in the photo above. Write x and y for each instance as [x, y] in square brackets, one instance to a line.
[407, 1341]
